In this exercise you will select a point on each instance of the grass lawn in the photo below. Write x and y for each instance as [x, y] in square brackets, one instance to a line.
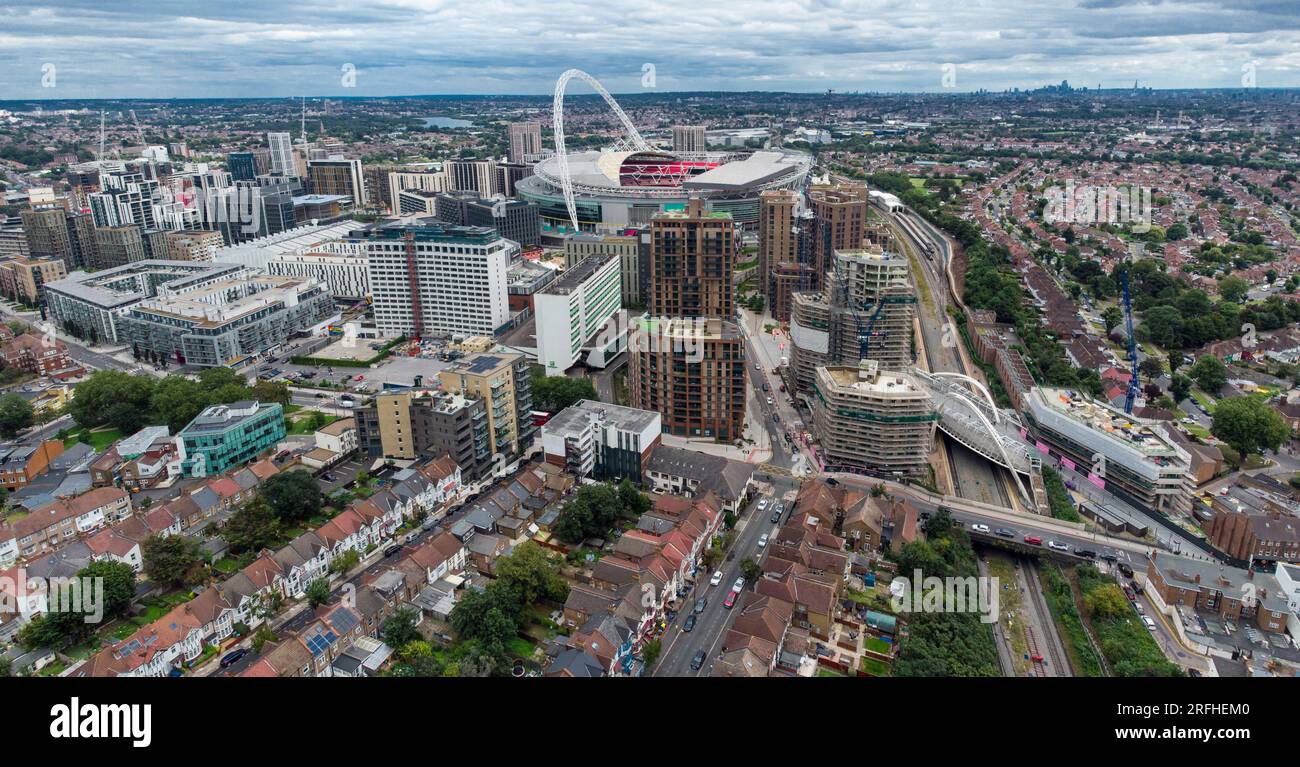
[99, 439]
[520, 647]
[1198, 430]
[823, 671]
[303, 425]
[876, 644]
[225, 565]
[874, 667]
[1206, 401]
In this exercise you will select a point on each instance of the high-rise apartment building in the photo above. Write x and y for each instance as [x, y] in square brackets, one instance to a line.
[473, 176]
[242, 166]
[689, 138]
[840, 218]
[692, 254]
[53, 232]
[574, 310]
[282, 160]
[633, 254]
[686, 359]
[513, 219]
[525, 141]
[337, 176]
[778, 249]
[502, 381]
[437, 278]
[118, 245]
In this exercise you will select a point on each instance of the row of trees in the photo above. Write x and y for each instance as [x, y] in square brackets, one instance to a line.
[554, 393]
[129, 402]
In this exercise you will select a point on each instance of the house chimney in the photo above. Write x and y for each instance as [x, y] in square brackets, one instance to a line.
[1197, 579]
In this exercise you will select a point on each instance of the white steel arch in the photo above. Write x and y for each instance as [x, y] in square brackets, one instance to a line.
[979, 387]
[557, 109]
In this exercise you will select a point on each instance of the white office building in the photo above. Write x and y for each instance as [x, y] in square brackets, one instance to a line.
[574, 309]
[282, 153]
[431, 278]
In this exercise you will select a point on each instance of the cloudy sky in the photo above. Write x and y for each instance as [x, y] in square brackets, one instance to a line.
[268, 48]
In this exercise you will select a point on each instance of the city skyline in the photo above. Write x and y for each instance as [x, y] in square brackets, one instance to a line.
[406, 48]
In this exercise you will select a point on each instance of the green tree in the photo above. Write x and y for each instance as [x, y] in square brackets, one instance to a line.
[750, 569]
[400, 630]
[1180, 387]
[1151, 368]
[345, 561]
[16, 414]
[651, 651]
[1233, 288]
[271, 391]
[113, 398]
[177, 400]
[252, 528]
[1249, 425]
[318, 592]
[555, 393]
[292, 495]
[1210, 373]
[531, 573]
[172, 560]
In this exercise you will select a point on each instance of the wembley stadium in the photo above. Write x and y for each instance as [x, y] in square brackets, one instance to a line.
[613, 189]
[625, 185]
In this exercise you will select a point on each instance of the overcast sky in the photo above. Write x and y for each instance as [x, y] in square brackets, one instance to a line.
[230, 48]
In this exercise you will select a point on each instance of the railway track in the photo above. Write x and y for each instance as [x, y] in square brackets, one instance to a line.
[1047, 646]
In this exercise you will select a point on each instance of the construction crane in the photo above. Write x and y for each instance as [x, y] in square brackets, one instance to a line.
[1133, 383]
[864, 336]
[138, 130]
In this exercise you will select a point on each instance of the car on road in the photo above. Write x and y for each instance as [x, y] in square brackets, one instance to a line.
[739, 584]
[1033, 540]
[1003, 532]
[1085, 553]
[980, 528]
[762, 504]
[716, 579]
[730, 601]
[776, 515]
[758, 367]
[1126, 570]
[1151, 625]
[1057, 546]
[697, 660]
[428, 523]
[762, 540]
[233, 657]
[391, 550]
[689, 624]
[768, 387]
[700, 604]
[776, 417]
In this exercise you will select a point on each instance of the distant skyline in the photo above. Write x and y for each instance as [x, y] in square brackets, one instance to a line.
[250, 49]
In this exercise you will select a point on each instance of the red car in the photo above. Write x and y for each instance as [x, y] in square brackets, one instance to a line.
[1034, 539]
[730, 601]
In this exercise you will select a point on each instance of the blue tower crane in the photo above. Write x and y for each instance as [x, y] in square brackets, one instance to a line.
[1134, 386]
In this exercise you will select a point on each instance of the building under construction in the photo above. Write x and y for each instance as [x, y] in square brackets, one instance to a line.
[881, 421]
[865, 312]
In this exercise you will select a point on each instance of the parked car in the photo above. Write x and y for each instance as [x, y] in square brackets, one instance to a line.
[762, 504]
[767, 387]
[716, 579]
[980, 528]
[697, 661]
[1056, 546]
[391, 550]
[1004, 533]
[1151, 625]
[233, 657]
[1086, 553]
[700, 604]
[1033, 540]
[762, 540]
[730, 601]
[1126, 570]
[689, 624]
[776, 515]
[776, 417]
[739, 584]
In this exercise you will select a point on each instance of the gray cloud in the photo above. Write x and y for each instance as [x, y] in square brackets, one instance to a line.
[264, 49]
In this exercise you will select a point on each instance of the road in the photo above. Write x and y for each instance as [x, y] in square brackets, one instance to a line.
[679, 646]
[76, 350]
